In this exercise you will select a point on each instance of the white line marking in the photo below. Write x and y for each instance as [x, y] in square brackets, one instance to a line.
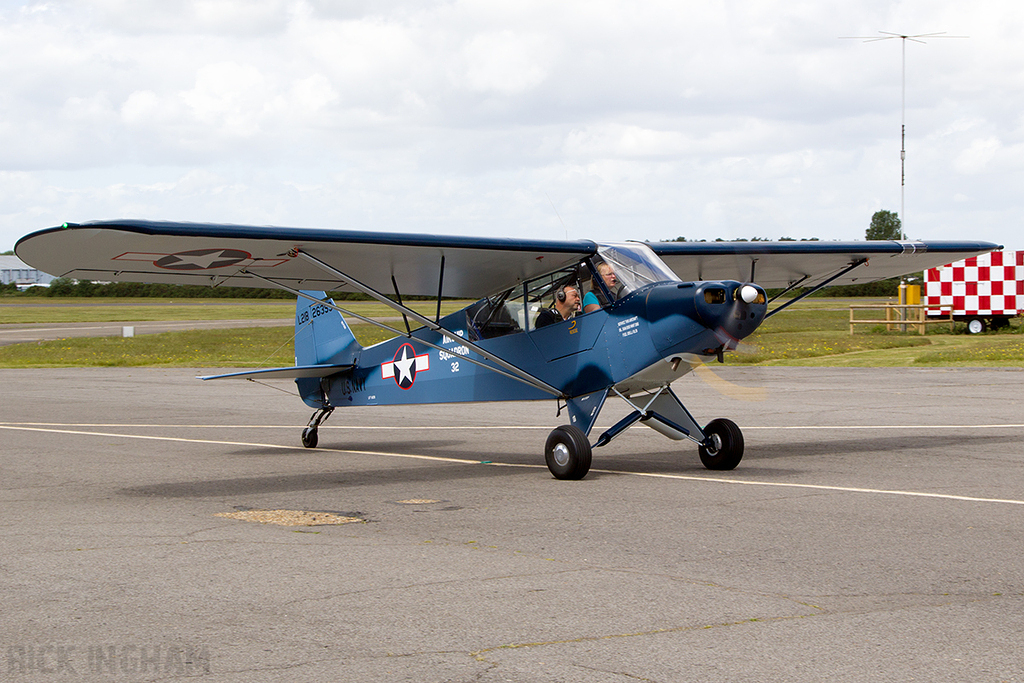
[461, 461]
[820, 487]
[246, 443]
[944, 426]
[482, 427]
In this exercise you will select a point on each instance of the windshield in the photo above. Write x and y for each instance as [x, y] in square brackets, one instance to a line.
[635, 265]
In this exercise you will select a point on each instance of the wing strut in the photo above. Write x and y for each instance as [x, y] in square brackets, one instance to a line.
[513, 372]
[398, 296]
[815, 288]
[791, 287]
[440, 288]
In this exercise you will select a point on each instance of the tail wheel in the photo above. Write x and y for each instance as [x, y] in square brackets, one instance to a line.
[723, 445]
[309, 437]
[568, 453]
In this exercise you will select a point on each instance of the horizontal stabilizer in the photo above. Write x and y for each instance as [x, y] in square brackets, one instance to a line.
[292, 372]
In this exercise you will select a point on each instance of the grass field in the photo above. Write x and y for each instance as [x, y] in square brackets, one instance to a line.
[819, 335]
[82, 310]
[814, 332]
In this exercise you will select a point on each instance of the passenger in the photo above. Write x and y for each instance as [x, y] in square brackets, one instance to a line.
[567, 303]
[594, 298]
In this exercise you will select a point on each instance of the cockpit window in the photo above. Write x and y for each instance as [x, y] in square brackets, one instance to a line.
[515, 310]
[635, 265]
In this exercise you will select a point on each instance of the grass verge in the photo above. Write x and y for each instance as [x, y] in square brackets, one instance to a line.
[814, 333]
[71, 310]
[252, 347]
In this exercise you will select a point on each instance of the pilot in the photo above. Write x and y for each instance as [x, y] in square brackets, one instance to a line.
[567, 303]
[595, 297]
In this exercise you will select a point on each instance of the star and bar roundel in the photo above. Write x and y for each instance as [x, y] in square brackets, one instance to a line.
[202, 259]
[405, 366]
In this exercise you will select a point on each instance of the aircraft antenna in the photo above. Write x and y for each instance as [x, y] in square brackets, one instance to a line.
[559, 217]
[918, 38]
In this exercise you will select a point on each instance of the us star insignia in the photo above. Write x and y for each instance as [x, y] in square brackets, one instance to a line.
[405, 366]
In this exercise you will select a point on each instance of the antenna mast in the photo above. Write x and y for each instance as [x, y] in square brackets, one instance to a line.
[919, 38]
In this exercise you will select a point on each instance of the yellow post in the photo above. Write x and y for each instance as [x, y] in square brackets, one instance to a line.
[913, 295]
[903, 302]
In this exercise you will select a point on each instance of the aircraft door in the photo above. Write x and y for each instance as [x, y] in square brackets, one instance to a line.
[569, 336]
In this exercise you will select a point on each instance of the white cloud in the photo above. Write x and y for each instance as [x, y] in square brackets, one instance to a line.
[647, 120]
[231, 98]
[219, 17]
[506, 63]
[975, 159]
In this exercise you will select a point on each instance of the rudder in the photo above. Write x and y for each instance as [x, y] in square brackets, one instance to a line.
[321, 333]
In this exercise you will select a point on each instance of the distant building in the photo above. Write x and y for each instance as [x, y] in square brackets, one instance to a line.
[14, 270]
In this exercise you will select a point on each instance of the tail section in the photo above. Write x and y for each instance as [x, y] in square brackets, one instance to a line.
[321, 334]
[324, 349]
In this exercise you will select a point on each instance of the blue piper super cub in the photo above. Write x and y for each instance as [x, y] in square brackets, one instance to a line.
[571, 320]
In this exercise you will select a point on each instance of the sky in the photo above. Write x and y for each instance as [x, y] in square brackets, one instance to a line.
[605, 119]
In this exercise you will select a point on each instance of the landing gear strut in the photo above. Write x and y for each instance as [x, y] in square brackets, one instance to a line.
[568, 451]
[309, 435]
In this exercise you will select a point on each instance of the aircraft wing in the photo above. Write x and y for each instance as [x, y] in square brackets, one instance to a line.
[781, 264]
[214, 254]
[211, 254]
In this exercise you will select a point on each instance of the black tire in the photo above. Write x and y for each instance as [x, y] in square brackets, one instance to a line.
[724, 449]
[309, 437]
[567, 453]
[976, 325]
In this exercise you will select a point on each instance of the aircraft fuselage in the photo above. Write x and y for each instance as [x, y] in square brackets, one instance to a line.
[642, 336]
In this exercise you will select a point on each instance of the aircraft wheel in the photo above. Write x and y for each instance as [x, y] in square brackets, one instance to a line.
[975, 325]
[724, 449]
[568, 453]
[309, 437]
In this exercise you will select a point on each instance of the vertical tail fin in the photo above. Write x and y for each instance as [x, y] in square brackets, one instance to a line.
[321, 333]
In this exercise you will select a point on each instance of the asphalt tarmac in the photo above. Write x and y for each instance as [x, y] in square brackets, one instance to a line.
[873, 532]
[20, 333]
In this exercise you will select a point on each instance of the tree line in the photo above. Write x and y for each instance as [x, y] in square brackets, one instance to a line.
[68, 287]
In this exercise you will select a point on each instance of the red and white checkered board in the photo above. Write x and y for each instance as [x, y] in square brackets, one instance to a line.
[990, 284]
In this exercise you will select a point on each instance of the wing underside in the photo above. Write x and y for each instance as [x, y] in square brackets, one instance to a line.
[806, 264]
[424, 265]
[239, 256]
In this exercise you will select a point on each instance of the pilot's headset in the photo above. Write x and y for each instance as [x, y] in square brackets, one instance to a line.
[560, 294]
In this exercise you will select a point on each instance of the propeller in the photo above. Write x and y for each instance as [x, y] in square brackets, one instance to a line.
[727, 388]
[747, 294]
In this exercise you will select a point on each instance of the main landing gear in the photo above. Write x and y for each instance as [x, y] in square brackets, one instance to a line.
[309, 435]
[568, 450]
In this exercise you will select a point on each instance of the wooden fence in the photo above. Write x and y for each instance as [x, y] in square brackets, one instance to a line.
[900, 316]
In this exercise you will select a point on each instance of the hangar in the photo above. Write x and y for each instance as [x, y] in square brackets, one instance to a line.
[14, 270]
